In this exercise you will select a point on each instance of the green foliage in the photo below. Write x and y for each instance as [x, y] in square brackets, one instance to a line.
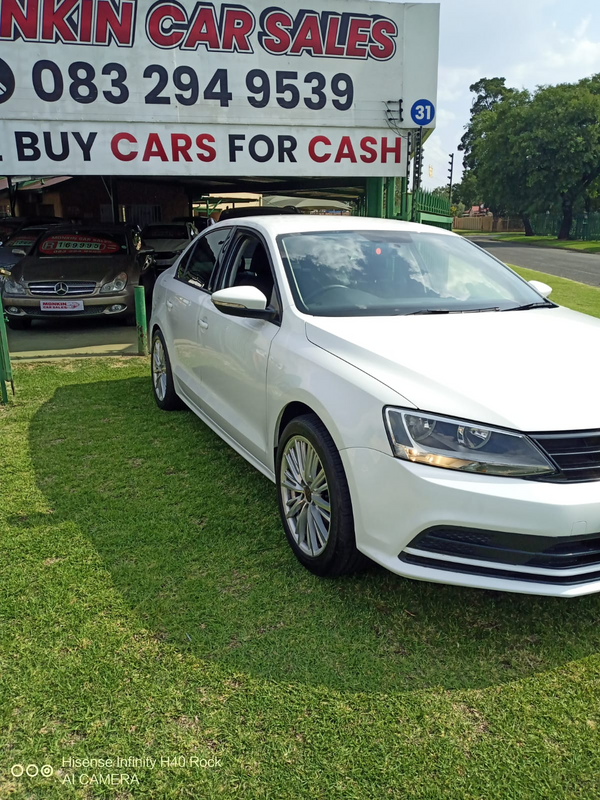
[441, 191]
[467, 192]
[535, 152]
[488, 93]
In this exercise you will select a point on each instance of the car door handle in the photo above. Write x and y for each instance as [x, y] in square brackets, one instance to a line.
[202, 324]
[169, 304]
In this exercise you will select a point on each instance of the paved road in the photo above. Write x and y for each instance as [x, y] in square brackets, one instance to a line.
[583, 267]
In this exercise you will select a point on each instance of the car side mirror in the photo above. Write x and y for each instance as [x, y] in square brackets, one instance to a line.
[541, 288]
[243, 301]
[19, 252]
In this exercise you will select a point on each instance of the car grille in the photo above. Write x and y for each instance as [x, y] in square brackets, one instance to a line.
[545, 559]
[87, 311]
[73, 288]
[576, 454]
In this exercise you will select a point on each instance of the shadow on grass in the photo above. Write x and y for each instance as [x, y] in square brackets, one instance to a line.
[191, 537]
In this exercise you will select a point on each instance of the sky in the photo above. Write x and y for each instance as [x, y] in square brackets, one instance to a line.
[528, 42]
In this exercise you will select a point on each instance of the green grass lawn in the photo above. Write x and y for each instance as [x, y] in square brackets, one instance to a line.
[539, 241]
[565, 292]
[151, 608]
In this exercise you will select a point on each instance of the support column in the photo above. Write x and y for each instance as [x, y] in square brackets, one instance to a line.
[390, 198]
[12, 195]
[114, 200]
[403, 210]
[374, 197]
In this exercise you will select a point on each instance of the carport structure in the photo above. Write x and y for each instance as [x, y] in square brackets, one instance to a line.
[143, 199]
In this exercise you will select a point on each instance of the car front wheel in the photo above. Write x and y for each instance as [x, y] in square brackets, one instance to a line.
[163, 387]
[314, 499]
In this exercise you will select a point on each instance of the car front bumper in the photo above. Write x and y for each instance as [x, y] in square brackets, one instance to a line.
[395, 501]
[93, 305]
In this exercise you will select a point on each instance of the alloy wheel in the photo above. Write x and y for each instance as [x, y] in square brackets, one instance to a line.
[305, 495]
[159, 369]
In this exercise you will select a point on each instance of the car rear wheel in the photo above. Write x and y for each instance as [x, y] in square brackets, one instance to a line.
[314, 499]
[19, 324]
[163, 387]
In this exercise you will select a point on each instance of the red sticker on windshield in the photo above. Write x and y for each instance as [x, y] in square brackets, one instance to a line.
[62, 244]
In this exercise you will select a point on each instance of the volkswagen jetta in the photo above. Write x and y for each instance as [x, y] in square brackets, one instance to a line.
[415, 400]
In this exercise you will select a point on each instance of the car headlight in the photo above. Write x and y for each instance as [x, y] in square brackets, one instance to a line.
[454, 444]
[116, 285]
[12, 287]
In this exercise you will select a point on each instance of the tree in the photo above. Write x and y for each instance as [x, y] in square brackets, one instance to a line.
[467, 191]
[502, 169]
[441, 191]
[488, 93]
[563, 143]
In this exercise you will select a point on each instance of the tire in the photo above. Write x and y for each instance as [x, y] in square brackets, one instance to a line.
[163, 389]
[325, 547]
[19, 324]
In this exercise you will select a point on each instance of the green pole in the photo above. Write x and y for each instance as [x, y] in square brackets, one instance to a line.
[5, 367]
[140, 318]
[390, 198]
[374, 198]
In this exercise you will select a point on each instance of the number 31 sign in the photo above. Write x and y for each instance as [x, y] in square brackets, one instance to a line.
[422, 112]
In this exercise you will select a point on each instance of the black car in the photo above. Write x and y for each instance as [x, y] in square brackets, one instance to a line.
[9, 226]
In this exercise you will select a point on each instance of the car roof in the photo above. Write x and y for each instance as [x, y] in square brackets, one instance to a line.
[305, 223]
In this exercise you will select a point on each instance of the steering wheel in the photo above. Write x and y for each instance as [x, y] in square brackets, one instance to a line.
[325, 289]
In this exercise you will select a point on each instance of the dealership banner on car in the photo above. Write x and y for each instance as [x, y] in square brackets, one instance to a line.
[128, 86]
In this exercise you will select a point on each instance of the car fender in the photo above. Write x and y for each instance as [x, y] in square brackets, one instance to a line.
[348, 401]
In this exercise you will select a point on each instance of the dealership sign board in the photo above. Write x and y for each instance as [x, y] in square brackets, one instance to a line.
[126, 87]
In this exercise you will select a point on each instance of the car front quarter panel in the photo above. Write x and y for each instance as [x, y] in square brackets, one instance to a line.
[348, 401]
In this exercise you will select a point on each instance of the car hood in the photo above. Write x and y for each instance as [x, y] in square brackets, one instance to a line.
[73, 268]
[167, 245]
[528, 370]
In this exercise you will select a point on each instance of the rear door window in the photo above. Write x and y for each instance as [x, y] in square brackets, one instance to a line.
[201, 262]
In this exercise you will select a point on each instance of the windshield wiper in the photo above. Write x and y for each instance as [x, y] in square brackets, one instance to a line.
[450, 311]
[527, 306]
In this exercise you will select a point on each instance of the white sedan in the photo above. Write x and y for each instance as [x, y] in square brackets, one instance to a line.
[415, 401]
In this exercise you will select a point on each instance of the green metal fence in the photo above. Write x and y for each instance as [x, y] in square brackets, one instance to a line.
[431, 209]
[585, 226]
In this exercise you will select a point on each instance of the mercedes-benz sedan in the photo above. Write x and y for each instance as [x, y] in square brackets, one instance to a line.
[77, 271]
[415, 400]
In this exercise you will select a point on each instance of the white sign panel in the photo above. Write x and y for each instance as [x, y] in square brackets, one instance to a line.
[186, 88]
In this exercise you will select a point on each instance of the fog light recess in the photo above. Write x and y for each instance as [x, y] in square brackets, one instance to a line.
[114, 309]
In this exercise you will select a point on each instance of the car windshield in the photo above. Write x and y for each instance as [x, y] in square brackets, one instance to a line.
[83, 243]
[165, 232]
[366, 273]
[24, 240]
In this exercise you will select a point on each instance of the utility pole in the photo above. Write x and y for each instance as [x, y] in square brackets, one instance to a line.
[450, 176]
